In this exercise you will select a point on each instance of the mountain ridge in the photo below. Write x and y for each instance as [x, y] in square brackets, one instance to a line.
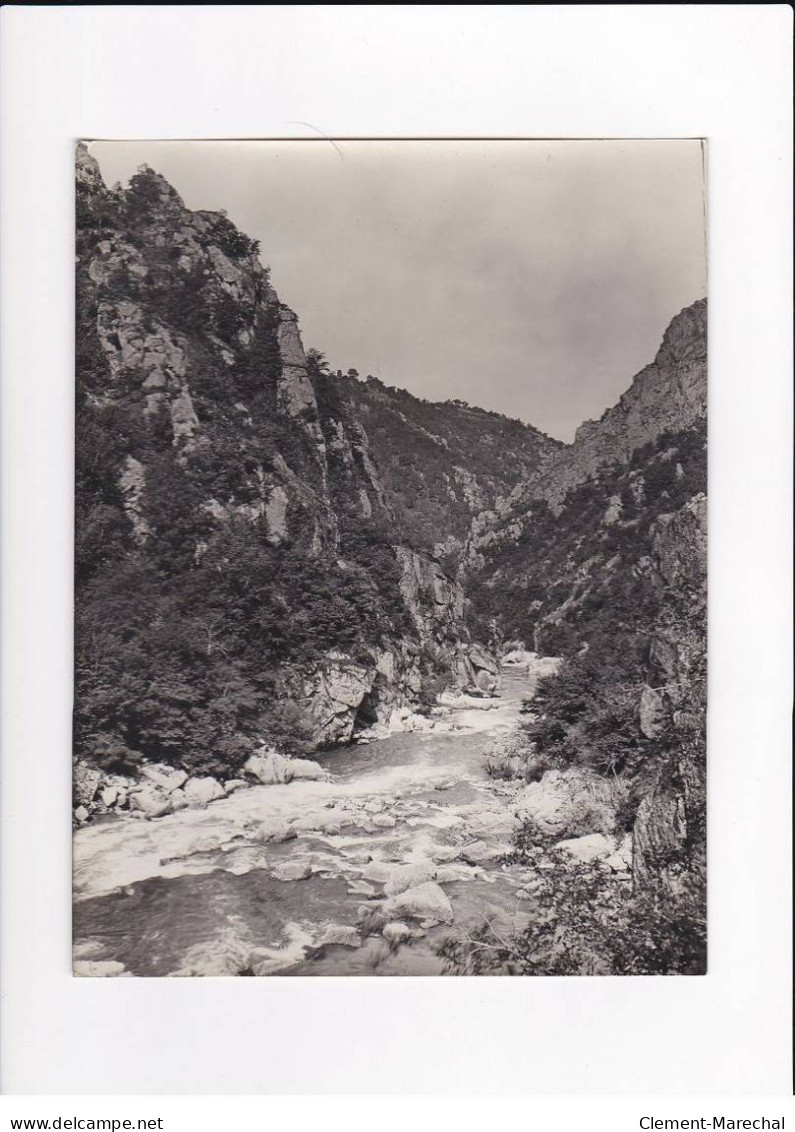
[330, 552]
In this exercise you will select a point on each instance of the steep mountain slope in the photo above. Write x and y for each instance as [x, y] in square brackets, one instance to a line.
[443, 465]
[602, 560]
[268, 552]
[250, 566]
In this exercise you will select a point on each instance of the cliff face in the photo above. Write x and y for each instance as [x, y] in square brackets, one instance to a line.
[603, 560]
[670, 395]
[247, 521]
[266, 551]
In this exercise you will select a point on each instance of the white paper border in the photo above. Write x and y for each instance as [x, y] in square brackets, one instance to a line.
[721, 71]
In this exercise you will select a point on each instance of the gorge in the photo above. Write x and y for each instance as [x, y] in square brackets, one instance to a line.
[423, 634]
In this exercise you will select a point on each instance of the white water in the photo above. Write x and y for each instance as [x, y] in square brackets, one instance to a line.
[194, 893]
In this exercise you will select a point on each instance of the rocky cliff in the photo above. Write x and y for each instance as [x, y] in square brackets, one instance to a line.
[264, 550]
[669, 395]
[271, 553]
[603, 560]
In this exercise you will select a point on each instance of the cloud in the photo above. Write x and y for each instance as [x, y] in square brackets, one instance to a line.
[534, 278]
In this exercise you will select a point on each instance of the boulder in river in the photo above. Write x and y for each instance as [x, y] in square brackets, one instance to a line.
[274, 829]
[383, 821]
[268, 767]
[423, 902]
[201, 791]
[397, 932]
[94, 968]
[568, 803]
[408, 876]
[151, 801]
[167, 778]
[305, 769]
[293, 870]
[85, 783]
[271, 769]
[340, 935]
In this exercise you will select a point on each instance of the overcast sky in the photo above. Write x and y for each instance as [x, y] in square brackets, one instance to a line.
[534, 278]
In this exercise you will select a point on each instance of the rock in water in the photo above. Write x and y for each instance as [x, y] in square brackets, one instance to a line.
[167, 778]
[201, 791]
[97, 968]
[340, 935]
[293, 870]
[268, 767]
[409, 876]
[306, 769]
[397, 932]
[85, 783]
[151, 801]
[274, 829]
[423, 902]
[568, 803]
[271, 768]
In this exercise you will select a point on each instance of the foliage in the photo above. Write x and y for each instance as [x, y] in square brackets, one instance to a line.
[583, 921]
[587, 714]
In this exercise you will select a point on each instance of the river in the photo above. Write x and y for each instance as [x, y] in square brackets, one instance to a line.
[197, 892]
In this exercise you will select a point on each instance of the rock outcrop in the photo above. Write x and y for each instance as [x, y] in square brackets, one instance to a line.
[670, 395]
[568, 803]
[301, 528]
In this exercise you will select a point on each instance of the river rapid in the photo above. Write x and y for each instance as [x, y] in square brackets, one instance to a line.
[198, 892]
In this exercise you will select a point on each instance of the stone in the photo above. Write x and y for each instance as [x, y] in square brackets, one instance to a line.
[233, 784]
[591, 847]
[110, 795]
[293, 870]
[659, 837]
[614, 511]
[459, 871]
[383, 821]
[151, 801]
[397, 932]
[82, 814]
[87, 949]
[274, 829]
[167, 778]
[567, 803]
[306, 769]
[478, 851]
[492, 823]
[360, 888]
[201, 791]
[423, 902]
[268, 767]
[85, 783]
[179, 799]
[408, 876]
[340, 935]
[271, 768]
[97, 968]
[621, 860]
[652, 712]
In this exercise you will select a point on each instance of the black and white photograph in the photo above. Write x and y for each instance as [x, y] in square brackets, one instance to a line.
[390, 558]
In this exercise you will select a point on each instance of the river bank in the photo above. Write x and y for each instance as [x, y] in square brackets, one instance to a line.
[365, 872]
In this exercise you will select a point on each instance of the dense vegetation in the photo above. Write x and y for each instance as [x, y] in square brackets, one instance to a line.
[181, 637]
[441, 464]
[584, 922]
[574, 577]
[193, 622]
